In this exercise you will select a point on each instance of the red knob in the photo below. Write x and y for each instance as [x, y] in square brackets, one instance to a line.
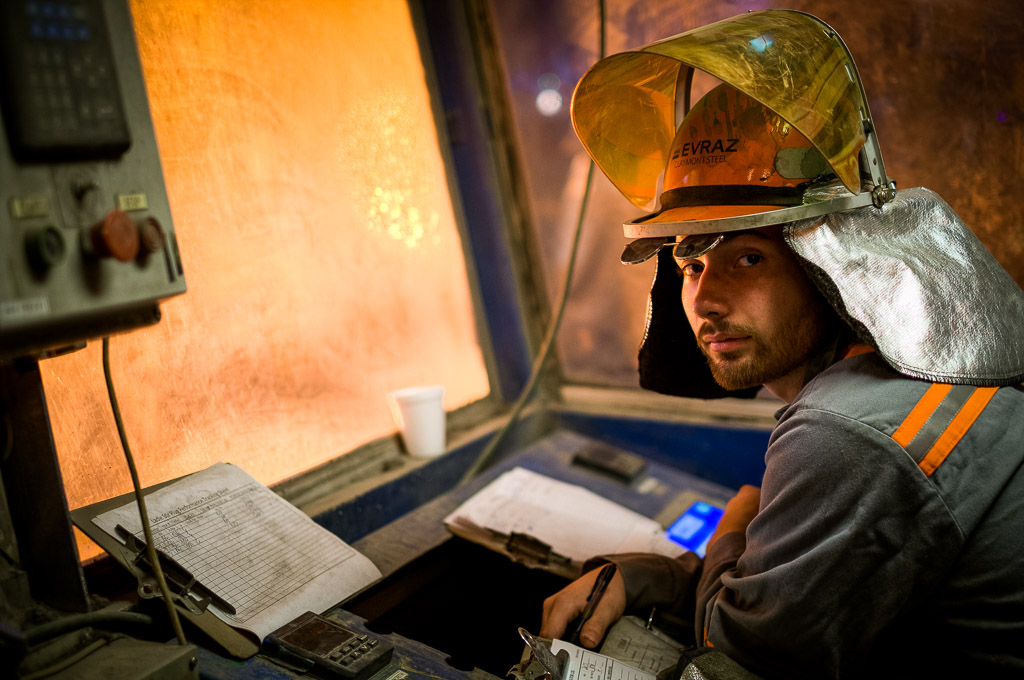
[115, 236]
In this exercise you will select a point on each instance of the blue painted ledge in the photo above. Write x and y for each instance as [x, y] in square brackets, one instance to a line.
[726, 455]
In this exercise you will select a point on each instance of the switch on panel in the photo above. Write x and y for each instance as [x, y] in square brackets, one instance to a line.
[114, 236]
[44, 248]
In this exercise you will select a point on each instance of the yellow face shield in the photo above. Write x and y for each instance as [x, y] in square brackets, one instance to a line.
[626, 108]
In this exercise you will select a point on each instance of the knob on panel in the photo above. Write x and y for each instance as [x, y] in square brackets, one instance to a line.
[44, 248]
[115, 236]
[151, 234]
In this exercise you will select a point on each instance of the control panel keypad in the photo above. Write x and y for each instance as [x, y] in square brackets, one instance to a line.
[60, 93]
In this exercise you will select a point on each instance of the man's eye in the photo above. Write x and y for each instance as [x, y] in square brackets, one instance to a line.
[692, 268]
[750, 260]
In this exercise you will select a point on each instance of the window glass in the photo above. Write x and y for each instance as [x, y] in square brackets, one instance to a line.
[322, 258]
[943, 81]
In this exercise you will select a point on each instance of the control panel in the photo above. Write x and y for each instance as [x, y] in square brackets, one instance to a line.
[87, 243]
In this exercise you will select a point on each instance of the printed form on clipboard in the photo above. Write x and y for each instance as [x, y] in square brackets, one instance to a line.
[585, 664]
[259, 554]
[565, 524]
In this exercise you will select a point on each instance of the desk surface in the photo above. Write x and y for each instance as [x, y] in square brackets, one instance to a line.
[658, 493]
[661, 492]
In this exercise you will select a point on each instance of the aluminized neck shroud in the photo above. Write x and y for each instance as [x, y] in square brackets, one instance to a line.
[920, 285]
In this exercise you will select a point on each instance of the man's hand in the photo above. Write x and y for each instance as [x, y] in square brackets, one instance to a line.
[564, 606]
[739, 512]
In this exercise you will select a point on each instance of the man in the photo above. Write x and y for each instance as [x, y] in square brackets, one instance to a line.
[887, 537]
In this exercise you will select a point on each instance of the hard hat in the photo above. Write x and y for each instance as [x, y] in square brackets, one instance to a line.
[732, 157]
[624, 110]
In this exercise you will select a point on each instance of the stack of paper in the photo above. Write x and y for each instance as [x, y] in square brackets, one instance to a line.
[577, 523]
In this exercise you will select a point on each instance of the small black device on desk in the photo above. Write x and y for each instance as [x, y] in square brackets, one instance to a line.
[328, 649]
[621, 465]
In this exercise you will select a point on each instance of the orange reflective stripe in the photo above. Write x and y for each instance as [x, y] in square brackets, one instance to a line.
[854, 350]
[921, 413]
[956, 429]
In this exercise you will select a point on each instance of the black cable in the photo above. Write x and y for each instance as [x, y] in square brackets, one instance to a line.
[117, 620]
[552, 332]
[140, 500]
[66, 662]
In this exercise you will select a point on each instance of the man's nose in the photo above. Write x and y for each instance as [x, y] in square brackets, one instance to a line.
[711, 299]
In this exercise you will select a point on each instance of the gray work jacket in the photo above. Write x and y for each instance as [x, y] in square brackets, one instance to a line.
[889, 541]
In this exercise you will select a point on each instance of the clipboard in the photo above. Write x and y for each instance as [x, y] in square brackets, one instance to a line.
[546, 523]
[190, 601]
[243, 560]
[630, 649]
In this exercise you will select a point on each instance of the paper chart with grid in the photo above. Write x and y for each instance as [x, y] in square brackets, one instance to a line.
[248, 545]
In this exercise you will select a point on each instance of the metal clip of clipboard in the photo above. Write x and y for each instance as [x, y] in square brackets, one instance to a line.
[185, 589]
[232, 642]
[540, 663]
[535, 552]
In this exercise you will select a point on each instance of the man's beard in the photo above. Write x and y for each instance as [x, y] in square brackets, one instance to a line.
[766, 358]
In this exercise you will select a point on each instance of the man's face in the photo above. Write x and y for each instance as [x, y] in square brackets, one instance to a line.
[757, 317]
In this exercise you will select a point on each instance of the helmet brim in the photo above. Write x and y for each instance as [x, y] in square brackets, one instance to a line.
[709, 219]
[692, 213]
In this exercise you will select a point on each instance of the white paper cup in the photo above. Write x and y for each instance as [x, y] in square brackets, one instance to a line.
[419, 416]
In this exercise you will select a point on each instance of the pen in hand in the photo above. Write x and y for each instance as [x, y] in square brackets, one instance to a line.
[603, 579]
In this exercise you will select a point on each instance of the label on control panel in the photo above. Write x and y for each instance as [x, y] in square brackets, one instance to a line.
[128, 202]
[29, 206]
[21, 309]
